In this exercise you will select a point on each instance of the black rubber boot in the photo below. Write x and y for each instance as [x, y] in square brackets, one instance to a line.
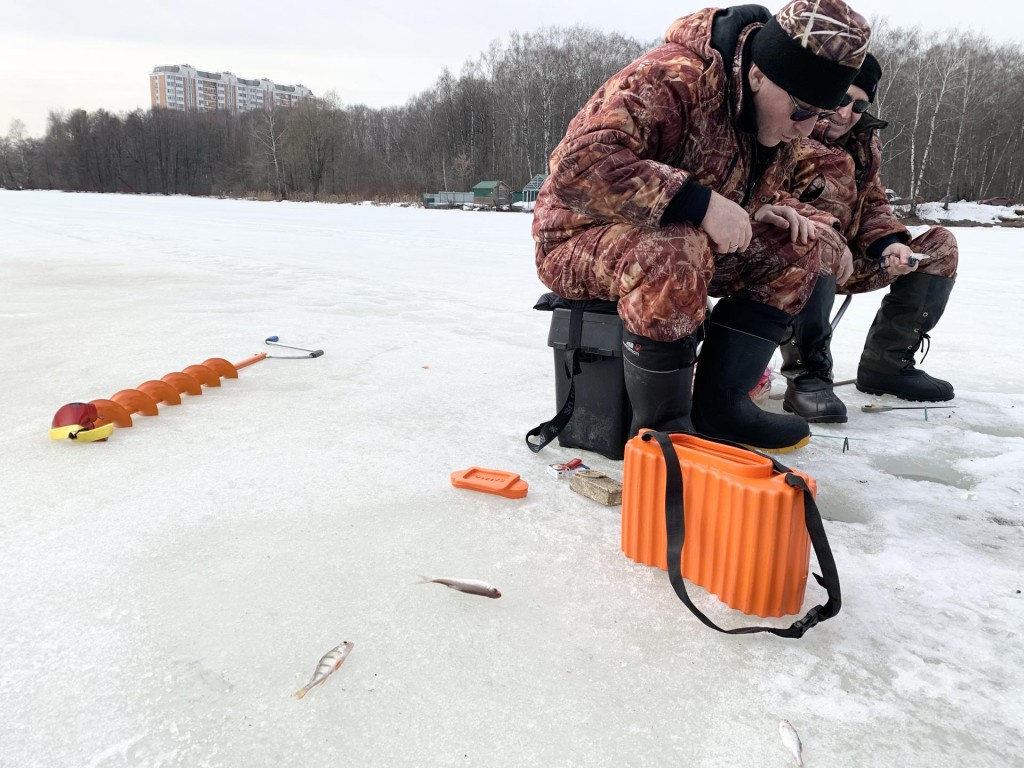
[741, 337]
[807, 360]
[659, 382]
[912, 307]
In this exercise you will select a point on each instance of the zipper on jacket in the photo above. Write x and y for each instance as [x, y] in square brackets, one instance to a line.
[751, 181]
[732, 165]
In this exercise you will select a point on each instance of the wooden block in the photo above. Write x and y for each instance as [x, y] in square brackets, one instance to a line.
[597, 486]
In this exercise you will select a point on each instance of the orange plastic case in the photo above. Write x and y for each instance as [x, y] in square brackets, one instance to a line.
[746, 540]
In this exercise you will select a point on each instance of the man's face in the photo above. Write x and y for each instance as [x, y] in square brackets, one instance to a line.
[775, 108]
[843, 121]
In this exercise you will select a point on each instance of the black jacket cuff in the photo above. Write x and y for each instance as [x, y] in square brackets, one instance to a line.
[689, 205]
[876, 248]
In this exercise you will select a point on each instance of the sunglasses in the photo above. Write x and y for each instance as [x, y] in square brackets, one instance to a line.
[800, 114]
[860, 106]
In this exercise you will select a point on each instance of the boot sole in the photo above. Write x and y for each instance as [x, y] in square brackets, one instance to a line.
[880, 392]
[784, 449]
[816, 419]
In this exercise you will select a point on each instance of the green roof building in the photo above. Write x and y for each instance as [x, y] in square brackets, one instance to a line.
[496, 193]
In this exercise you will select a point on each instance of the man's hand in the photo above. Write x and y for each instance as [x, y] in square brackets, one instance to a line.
[899, 259]
[727, 224]
[801, 229]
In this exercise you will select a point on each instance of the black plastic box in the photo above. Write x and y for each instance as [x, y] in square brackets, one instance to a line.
[600, 421]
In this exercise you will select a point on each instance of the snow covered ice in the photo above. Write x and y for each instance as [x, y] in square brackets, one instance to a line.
[165, 592]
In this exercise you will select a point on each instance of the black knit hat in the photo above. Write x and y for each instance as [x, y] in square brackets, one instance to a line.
[868, 76]
[813, 49]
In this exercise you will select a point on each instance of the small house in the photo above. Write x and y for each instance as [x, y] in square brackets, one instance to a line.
[493, 193]
[530, 190]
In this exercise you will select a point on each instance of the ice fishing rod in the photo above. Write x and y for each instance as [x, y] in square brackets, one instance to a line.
[274, 342]
[879, 407]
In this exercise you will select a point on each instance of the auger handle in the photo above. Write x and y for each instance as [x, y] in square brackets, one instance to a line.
[251, 360]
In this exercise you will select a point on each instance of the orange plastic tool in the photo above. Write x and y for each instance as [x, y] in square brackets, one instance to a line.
[497, 481]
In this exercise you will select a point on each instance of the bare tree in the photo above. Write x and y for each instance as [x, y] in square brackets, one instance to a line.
[268, 132]
[14, 166]
[968, 50]
[952, 103]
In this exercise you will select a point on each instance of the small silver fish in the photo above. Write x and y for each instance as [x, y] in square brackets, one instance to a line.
[469, 586]
[791, 740]
[331, 660]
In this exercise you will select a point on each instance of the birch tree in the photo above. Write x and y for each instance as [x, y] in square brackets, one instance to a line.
[268, 131]
[968, 52]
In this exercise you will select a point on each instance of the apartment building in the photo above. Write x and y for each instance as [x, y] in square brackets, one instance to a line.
[185, 88]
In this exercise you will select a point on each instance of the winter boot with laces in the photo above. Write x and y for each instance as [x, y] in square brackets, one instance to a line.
[807, 360]
[912, 307]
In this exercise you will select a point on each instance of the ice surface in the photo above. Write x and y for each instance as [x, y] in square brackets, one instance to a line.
[164, 593]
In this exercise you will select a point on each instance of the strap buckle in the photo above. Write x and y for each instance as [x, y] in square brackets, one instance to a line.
[813, 617]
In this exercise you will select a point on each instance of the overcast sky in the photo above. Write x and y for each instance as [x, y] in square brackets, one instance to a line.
[65, 55]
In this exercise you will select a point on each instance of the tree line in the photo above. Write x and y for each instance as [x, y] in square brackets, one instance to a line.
[953, 101]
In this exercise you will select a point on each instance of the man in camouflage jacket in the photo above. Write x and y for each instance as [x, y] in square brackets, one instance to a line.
[668, 187]
[837, 171]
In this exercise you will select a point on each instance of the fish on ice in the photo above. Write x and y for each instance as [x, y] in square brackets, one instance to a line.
[469, 586]
[791, 740]
[330, 661]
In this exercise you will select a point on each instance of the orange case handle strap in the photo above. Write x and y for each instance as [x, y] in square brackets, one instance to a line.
[675, 528]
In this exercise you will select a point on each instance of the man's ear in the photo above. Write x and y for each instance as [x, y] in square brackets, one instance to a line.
[755, 77]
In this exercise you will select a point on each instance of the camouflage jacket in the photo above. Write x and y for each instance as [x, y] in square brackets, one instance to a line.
[843, 179]
[671, 115]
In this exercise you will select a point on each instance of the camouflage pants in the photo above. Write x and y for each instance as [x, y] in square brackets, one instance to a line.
[938, 243]
[662, 278]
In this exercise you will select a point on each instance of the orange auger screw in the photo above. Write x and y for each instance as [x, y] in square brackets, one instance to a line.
[222, 367]
[94, 421]
[184, 383]
[207, 376]
[135, 401]
[161, 391]
[112, 413]
[168, 390]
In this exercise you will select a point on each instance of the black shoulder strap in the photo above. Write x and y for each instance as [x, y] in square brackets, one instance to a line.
[675, 527]
[548, 430]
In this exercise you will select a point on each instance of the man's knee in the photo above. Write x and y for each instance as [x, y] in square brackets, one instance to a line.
[663, 282]
[940, 245]
[659, 277]
[773, 271]
[774, 247]
[817, 258]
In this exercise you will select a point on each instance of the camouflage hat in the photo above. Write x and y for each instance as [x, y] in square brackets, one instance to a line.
[813, 49]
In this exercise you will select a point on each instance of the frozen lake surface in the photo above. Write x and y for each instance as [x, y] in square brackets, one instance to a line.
[165, 592]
